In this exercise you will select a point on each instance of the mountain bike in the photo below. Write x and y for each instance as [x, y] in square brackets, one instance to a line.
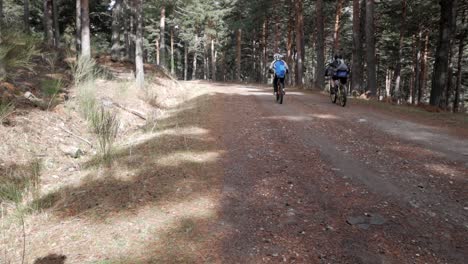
[280, 93]
[340, 93]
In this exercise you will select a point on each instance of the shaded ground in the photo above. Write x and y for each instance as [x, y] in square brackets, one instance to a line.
[232, 177]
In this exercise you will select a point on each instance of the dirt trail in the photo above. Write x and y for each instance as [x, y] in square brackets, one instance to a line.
[311, 182]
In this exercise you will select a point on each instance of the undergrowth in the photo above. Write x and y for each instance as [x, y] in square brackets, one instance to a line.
[6, 109]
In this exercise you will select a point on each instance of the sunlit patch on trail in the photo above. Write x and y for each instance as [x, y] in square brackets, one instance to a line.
[325, 116]
[179, 158]
[291, 118]
[446, 170]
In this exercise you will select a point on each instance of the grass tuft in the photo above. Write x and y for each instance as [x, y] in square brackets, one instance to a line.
[106, 126]
[6, 109]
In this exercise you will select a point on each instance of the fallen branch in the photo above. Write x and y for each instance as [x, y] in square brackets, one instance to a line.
[126, 109]
[76, 136]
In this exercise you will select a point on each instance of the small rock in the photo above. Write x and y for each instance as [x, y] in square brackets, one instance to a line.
[71, 151]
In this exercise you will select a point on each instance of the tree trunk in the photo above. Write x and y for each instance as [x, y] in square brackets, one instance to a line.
[441, 65]
[213, 60]
[194, 69]
[289, 58]
[132, 30]
[320, 47]
[397, 73]
[116, 17]
[299, 42]
[336, 35]
[139, 67]
[27, 27]
[55, 4]
[1, 13]
[448, 90]
[185, 61]
[417, 67]
[172, 52]
[78, 27]
[356, 76]
[264, 52]
[370, 48]
[127, 15]
[461, 46]
[238, 53]
[158, 52]
[423, 74]
[48, 23]
[85, 32]
[162, 38]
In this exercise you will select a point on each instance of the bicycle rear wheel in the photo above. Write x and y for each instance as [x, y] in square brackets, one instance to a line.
[333, 96]
[281, 93]
[342, 96]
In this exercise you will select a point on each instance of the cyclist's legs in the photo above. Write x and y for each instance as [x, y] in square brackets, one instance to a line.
[282, 82]
[275, 84]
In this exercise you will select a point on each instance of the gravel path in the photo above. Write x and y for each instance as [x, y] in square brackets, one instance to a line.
[311, 182]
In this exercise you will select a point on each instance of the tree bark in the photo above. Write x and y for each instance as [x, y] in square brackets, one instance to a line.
[356, 77]
[441, 65]
[448, 90]
[397, 73]
[423, 74]
[299, 42]
[78, 27]
[162, 38]
[195, 53]
[238, 53]
[336, 35]
[172, 52]
[417, 67]
[370, 48]
[289, 58]
[264, 52]
[139, 67]
[126, 14]
[213, 60]
[116, 17]
[85, 32]
[185, 61]
[55, 4]
[320, 47]
[48, 23]
[26, 14]
[461, 47]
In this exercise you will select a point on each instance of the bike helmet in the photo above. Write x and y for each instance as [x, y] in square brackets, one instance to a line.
[277, 56]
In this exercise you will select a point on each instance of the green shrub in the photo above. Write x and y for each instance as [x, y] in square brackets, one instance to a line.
[17, 51]
[105, 125]
[5, 110]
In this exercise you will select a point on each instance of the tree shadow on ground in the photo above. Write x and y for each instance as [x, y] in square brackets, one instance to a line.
[163, 168]
[51, 259]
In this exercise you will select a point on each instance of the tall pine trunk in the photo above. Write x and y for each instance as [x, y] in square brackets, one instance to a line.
[356, 77]
[299, 42]
[461, 46]
[78, 27]
[238, 54]
[48, 23]
[126, 14]
[440, 78]
[417, 67]
[139, 67]
[116, 17]
[290, 43]
[172, 52]
[397, 73]
[185, 61]
[55, 5]
[213, 60]
[320, 47]
[195, 57]
[265, 50]
[423, 74]
[85, 32]
[26, 14]
[370, 48]
[336, 33]
[162, 38]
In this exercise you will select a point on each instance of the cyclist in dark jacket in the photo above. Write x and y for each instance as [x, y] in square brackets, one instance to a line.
[339, 71]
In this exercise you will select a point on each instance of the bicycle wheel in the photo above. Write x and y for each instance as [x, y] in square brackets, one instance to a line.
[333, 96]
[342, 96]
[281, 93]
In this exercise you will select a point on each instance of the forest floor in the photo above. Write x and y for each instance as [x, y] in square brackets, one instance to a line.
[229, 176]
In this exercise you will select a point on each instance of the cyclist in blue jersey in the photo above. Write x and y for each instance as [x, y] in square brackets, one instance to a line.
[280, 68]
